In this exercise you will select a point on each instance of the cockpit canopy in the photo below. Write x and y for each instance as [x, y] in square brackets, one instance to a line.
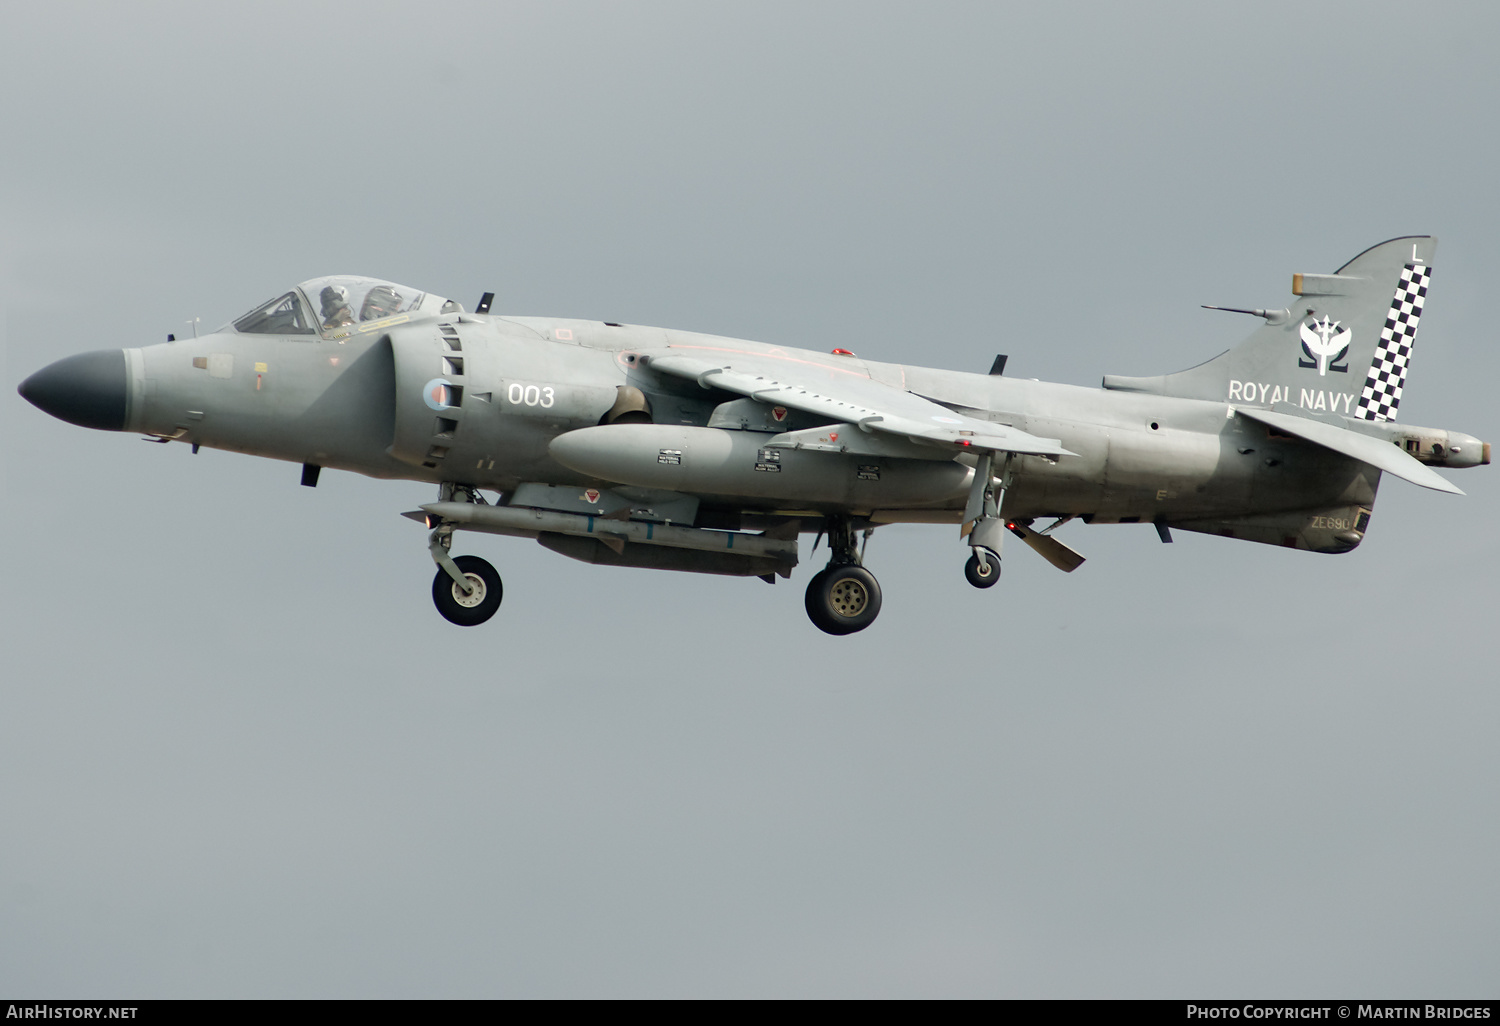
[340, 305]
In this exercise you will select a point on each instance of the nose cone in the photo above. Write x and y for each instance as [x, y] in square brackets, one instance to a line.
[90, 389]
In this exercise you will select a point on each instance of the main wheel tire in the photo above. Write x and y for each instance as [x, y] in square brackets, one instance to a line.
[472, 609]
[810, 599]
[983, 575]
[843, 599]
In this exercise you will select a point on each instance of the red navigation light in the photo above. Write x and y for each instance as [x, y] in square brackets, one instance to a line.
[841, 352]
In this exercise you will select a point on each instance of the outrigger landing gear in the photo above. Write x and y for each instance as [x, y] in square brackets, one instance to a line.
[982, 522]
[467, 589]
[983, 568]
[843, 597]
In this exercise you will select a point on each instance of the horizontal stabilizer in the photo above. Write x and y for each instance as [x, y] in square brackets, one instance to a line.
[1048, 547]
[1379, 454]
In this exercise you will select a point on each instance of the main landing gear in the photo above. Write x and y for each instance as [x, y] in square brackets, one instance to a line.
[467, 589]
[843, 597]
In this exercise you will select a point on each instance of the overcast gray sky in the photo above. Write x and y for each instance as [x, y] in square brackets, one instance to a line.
[241, 755]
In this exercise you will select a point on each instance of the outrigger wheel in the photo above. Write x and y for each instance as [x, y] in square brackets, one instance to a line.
[983, 573]
[472, 609]
[843, 599]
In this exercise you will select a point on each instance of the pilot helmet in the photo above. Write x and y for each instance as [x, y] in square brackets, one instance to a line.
[381, 301]
[333, 297]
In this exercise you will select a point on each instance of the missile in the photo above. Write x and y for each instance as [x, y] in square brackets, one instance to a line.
[626, 542]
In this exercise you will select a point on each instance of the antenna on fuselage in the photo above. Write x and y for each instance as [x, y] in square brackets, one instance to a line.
[484, 303]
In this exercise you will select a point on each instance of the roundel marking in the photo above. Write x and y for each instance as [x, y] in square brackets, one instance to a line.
[436, 393]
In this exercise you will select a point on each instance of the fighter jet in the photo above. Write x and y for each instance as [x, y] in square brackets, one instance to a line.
[634, 446]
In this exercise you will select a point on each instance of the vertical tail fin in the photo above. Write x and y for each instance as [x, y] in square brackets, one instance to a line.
[1343, 348]
[1387, 374]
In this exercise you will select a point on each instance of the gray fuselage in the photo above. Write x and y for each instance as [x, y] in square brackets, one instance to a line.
[358, 404]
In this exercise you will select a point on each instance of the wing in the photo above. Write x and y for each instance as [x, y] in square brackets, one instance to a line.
[847, 397]
[1379, 454]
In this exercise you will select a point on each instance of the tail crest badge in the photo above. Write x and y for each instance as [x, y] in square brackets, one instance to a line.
[1326, 343]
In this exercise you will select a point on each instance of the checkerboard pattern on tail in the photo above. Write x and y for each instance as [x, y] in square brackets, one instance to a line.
[1382, 391]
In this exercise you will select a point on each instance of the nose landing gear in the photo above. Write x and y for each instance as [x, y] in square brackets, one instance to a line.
[844, 597]
[467, 589]
[479, 603]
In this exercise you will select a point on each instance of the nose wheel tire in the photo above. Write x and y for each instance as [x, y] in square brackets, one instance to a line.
[474, 608]
[843, 599]
[983, 575]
